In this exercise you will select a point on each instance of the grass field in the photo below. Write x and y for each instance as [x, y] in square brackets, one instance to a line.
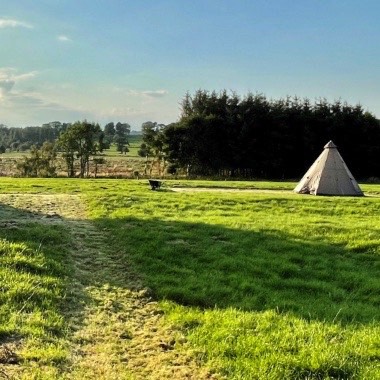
[134, 145]
[258, 284]
[115, 164]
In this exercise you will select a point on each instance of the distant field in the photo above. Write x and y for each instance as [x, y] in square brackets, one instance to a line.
[134, 145]
[134, 141]
[255, 281]
[116, 164]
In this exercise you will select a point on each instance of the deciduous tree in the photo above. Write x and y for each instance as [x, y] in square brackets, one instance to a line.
[40, 163]
[80, 141]
[153, 146]
[122, 131]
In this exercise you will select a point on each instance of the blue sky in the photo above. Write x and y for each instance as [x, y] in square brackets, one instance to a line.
[133, 61]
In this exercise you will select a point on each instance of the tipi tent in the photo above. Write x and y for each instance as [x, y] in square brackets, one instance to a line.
[329, 175]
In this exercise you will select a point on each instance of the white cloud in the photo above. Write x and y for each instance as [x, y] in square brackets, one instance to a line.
[149, 93]
[122, 112]
[155, 94]
[25, 76]
[32, 108]
[9, 23]
[8, 79]
[63, 38]
[6, 86]
[9, 75]
[20, 104]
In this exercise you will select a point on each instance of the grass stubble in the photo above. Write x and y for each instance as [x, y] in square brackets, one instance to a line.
[245, 285]
[100, 322]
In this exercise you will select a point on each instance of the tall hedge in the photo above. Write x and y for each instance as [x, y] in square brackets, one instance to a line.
[224, 134]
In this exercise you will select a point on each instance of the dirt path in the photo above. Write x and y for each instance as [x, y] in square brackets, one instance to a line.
[116, 331]
[227, 190]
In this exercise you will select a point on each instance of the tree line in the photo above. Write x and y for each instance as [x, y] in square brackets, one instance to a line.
[22, 139]
[256, 137]
[78, 144]
[217, 134]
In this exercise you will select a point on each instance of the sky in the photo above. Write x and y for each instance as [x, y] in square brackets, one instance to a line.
[133, 61]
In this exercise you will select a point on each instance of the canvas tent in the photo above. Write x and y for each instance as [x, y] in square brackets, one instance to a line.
[329, 175]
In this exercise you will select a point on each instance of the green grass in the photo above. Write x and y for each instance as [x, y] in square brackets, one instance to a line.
[134, 145]
[283, 259]
[253, 251]
[264, 285]
[274, 345]
[230, 184]
[41, 185]
[109, 154]
[33, 285]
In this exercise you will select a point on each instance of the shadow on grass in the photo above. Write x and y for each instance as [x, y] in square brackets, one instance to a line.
[34, 277]
[212, 266]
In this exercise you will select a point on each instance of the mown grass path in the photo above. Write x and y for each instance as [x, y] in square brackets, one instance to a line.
[114, 329]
